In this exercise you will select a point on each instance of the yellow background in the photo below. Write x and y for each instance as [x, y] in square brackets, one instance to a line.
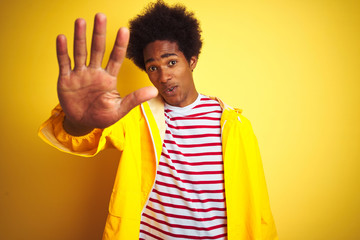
[293, 66]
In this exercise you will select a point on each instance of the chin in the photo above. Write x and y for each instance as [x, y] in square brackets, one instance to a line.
[172, 101]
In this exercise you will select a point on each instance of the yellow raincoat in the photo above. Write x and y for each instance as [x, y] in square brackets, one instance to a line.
[139, 136]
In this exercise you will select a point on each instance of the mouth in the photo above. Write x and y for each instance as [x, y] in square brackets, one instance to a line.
[170, 90]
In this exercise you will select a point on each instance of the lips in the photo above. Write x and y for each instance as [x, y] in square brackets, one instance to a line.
[170, 91]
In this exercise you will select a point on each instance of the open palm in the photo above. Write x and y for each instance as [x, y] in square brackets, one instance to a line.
[88, 94]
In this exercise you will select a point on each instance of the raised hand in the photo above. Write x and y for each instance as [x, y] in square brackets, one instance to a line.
[88, 94]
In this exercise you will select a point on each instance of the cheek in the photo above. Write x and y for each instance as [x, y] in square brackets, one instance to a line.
[152, 78]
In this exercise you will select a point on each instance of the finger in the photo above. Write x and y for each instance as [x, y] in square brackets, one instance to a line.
[98, 41]
[118, 53]
[135, 98]
[62, 56]
[80, 51]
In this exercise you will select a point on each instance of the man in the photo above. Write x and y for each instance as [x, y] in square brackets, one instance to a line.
[190, 166]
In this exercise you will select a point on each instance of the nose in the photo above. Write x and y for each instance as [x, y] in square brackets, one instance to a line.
[164, 75]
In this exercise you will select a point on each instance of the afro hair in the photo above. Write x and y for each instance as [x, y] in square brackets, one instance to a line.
[159, 21]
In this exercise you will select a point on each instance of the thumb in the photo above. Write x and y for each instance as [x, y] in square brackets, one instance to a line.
[135, 98]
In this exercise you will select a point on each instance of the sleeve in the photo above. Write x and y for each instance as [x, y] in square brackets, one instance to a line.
[248, 206]
[53, 133]
[257, 181]
[268, 228]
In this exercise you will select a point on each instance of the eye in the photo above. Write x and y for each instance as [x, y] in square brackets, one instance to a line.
[152, 68]
[172, 62]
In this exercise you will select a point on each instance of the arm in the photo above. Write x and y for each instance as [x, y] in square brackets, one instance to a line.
[53, 133]
[89, 100]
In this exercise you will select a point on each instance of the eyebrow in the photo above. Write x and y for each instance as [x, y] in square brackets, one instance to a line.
[165, 55]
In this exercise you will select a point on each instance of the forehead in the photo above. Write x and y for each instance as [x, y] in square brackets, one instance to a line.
[161, 49]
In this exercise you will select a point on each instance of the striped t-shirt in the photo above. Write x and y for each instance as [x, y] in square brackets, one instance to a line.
[188, 197]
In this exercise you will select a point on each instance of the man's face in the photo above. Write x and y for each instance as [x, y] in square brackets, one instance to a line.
[170, 72]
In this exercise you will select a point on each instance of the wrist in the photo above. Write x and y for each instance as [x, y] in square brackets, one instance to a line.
[75, 129]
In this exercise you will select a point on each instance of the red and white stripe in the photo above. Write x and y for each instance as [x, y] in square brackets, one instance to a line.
[188, 198]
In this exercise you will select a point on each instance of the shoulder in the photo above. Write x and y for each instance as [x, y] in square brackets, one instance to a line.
[227, 109]
[231, 114]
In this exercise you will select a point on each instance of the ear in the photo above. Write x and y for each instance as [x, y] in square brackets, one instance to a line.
[193, 62]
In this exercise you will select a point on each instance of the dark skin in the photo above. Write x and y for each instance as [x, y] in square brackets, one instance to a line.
[170, 72]
[88, 94]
